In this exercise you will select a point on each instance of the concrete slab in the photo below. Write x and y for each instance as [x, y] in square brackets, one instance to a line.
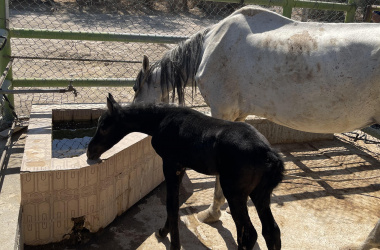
[10, 194]
[335, 203]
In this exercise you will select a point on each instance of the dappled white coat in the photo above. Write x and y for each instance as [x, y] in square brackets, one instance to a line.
[316, 77]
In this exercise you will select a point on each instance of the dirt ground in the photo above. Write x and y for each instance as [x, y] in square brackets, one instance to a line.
[334, 204]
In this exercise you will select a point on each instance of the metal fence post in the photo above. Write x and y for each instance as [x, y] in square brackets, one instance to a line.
[350, 14]
[288, 8]
[5, 55]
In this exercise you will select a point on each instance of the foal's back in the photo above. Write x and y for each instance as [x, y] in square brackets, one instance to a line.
[206, 144]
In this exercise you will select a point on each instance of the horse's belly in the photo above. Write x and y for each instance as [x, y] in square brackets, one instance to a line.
[322, 124]
[319, 115]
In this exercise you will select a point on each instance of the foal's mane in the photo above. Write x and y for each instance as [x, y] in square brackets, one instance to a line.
[179, 65]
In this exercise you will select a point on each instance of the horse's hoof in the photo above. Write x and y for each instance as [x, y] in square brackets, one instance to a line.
[354, 247]
[350, 247]
[209, 216]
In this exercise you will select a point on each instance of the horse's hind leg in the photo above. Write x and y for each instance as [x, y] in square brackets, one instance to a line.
[213, 213]
[270, 229]
[173, 179]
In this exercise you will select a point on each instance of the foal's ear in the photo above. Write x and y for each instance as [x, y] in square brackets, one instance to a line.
[110, 96]
[145, 66]
[111, 103]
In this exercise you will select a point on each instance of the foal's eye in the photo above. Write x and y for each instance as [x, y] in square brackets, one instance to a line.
[102, 131]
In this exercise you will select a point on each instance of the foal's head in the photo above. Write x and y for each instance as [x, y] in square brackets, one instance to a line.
[109, 132]
[148, 83]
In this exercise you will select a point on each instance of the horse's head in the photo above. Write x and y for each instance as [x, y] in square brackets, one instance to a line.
[110, 130]
[148, 84]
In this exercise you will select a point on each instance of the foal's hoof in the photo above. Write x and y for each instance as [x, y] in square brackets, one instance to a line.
[209, 216]
[160, 234]
[228, 210]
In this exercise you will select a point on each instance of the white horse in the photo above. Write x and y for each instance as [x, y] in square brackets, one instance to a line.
[314, 77]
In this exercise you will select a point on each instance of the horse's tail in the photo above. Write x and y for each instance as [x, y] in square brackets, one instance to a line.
[272, 176]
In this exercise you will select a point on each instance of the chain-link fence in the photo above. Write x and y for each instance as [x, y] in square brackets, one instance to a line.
[35, 58]
[74, 59]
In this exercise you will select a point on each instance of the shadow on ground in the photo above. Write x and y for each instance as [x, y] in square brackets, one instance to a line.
[330, 198]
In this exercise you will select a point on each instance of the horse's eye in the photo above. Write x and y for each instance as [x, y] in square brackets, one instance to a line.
[138, 81]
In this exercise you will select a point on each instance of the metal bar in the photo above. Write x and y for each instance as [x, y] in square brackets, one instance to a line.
[31, 91]
[6, 147]
[296, 4]
[4, 42]
[72, 59]
[258, 2]
[5, 73]
[94, 36]
[322, 5]
[60, 82]
[5, 54]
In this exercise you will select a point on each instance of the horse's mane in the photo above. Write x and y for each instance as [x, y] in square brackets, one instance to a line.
[180, 65]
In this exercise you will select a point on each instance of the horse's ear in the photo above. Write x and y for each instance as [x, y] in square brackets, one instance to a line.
[145, 67]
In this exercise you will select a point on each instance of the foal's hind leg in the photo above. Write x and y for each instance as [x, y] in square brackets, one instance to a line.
[246, 233]
[173, 178]
[270, 229]
[236, 194]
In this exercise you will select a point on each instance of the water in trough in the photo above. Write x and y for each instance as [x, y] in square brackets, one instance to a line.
[70, 139]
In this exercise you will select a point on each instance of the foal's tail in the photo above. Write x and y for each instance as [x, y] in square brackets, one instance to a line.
[272, 176]
[275, 169]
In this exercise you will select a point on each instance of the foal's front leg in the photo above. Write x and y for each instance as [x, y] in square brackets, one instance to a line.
[173, 176]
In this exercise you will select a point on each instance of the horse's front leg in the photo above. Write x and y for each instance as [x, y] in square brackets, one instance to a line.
[213, 213]
[173, 178]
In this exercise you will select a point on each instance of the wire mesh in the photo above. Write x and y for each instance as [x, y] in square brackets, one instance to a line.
[74, 59]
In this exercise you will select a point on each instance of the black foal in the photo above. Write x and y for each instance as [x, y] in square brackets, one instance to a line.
[236, 151]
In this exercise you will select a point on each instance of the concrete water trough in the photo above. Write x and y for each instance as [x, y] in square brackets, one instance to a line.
[57, 193]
